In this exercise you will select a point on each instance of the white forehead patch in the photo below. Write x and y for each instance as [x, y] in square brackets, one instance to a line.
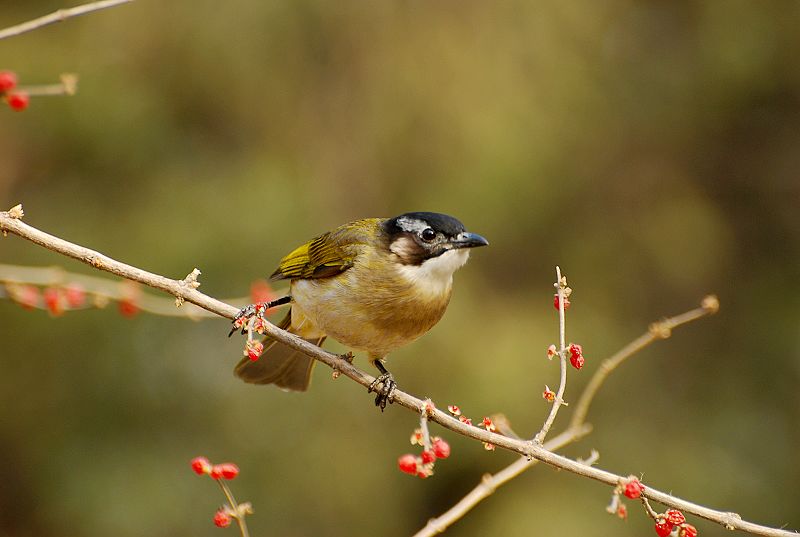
[411, 225]
[435, 275]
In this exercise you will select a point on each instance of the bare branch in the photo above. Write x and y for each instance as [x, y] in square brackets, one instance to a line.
[561, 286]
[578, 426]
[10, 223]
[58, 16]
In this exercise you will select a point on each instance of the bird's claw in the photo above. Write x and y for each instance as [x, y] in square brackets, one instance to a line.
[386, 393]
[245, 314]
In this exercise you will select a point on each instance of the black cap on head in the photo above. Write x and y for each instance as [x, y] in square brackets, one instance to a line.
[414, 222]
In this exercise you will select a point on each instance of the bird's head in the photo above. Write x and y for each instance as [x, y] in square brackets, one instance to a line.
[436, 242]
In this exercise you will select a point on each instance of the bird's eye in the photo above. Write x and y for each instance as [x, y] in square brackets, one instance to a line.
[428, 234]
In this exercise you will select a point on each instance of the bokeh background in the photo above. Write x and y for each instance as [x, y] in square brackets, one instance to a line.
[650, 148]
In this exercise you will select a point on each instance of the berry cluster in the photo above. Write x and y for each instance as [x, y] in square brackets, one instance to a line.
[225, 470]
[16, 99]
[668, 521]
[220, 472]
[576, 355]
[422, 465]
[57, 299]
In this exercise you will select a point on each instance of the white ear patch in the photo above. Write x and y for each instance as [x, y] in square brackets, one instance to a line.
[411, 225]
[435, 275]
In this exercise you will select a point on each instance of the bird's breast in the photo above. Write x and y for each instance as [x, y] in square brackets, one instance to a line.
[371, 309]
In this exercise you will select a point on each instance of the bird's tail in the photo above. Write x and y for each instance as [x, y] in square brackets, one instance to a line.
[280, 365]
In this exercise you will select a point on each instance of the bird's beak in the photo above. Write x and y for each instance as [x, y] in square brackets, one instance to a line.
[468, 240]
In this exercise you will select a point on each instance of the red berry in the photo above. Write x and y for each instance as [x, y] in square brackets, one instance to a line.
[222, 519]
[687, 530]
[28, 296]
[674, 517]
[254, 349]
[75, 295]
[53, 301]
[441, 448]
[128, 308]
[428, 456]
[556, 304]
[633, 489]
[575, 349]
[227, 470]
[201, 465]
[260, 291]
[8, 80]
[18, 100]
[663, 528]
[622, 511]
[577, 361]
[407, 464]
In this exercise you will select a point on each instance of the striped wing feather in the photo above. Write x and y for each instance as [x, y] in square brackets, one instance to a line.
[319, 258]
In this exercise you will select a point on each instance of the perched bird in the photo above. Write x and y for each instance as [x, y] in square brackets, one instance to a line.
[373, 285]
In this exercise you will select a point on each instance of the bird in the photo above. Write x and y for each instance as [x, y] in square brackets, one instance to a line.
[374, 285]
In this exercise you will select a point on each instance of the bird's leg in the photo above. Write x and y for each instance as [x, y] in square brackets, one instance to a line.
[258, 310]
[386, 394]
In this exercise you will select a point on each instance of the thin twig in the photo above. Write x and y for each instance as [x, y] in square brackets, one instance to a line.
[239, 515]
[10, 223]
[578, 426]
[58, 16]
[657, 330]
[561, 285]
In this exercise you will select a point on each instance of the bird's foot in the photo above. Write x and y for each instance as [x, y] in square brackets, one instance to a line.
[257, 310]
[386, 393]
[242, 318]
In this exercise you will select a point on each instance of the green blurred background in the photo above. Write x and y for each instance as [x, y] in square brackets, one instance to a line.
[650, 148]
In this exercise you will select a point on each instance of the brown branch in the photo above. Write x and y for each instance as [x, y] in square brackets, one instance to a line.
[561, 285]
[578, 426]
[58, 16]
[10, 223]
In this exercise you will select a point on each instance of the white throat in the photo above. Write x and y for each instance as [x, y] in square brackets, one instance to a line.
[435, 276]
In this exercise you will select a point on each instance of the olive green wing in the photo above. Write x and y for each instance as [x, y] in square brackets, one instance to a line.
[319, 258]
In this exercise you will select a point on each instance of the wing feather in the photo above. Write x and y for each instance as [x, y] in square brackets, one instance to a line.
[321, 257]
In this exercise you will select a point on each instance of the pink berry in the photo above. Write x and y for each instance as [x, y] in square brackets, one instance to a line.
[407, 464]
[75, 295]
[674, 517]
[201, 465]
[261, 291]
[633, 488]
[222, 519]
[556, 303]
[663, 528]
[8, 80]
[18, 100]
[53, 301]
[687, 530]
[227, 470]
[128, 308]
[428, 456]
[28, 297]
[441, 449]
